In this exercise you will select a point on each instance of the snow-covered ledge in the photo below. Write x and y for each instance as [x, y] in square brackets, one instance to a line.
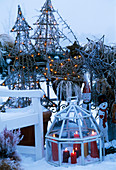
[22, 117]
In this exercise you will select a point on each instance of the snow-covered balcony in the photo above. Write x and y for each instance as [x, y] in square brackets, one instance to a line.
[24, 117]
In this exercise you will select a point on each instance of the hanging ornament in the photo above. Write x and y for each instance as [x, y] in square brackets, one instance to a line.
[86, 96]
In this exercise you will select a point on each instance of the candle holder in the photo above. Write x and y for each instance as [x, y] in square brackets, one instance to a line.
[73, 138]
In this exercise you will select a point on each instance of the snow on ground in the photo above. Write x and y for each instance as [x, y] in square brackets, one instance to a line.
[109, 163]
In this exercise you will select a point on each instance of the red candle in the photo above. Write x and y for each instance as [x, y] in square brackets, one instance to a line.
[94, 149]
[66, 155]
[73, 157]
[76, 135]
[54, 150]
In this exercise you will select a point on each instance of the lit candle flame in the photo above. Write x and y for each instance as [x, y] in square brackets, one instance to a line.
[66, 149]
[54, 135]
[73, 151]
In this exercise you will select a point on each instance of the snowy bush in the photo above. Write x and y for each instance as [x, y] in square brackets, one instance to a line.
[8, 142]
[9, 164]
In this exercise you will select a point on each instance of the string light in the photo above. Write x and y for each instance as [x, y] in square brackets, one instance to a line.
[75, 57]
[50, 64]
[23, 66]
[45, 74]
[79, 56]
[56, 78]
[65, 78]
[68, 59]
[49, 57]
[76, 65]
[51, 70]
[61, 64]
[36, 67]
[38, 53]
[46, 68]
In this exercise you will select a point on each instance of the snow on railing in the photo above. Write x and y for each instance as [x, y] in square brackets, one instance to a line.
[35, 117]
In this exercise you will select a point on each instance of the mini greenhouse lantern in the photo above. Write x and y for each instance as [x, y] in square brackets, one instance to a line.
[73, 138]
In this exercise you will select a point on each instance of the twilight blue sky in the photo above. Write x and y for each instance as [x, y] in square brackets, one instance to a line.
[87, 18]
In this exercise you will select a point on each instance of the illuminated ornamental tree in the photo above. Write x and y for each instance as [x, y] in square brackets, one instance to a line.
[23, 73]
[48, 35]
[51, 43]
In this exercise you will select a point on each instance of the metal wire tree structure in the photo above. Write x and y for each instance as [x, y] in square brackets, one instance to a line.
[24, 73]
[48, 35]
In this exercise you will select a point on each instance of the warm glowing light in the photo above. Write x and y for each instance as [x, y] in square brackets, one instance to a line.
[75, 57]
[73, 72]
[73, 151]
[46, 11]
[61, 64]
[44, 74]
[12, 29]
[38, 53]
[8, 54]
[52, 60]
[76, 149]
[68, 59]
[76, 132]
[53, 105]
[78, 76]
[36, 67]
[54, 135]
[3, 84]
[45, 44]
[63, 53]
[44, 96]
[57, 78]
[23, 66]
[50, 65]
[65, 78]
[93, 133]
[32, 55]
[49, 57]
[15, 41]
[46, 68]
[16, 58]
[79, 56]
[23, 19]
[76, 65]
[66, 149]
[22, 42]
[37, 82]
[51, 70]
[13, 69]
[55, 72]
[20, 51]
[20, 12]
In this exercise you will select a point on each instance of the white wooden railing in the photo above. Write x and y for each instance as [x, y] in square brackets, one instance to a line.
[23, 117]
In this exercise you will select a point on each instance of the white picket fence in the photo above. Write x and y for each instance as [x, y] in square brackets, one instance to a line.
[23, 117]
